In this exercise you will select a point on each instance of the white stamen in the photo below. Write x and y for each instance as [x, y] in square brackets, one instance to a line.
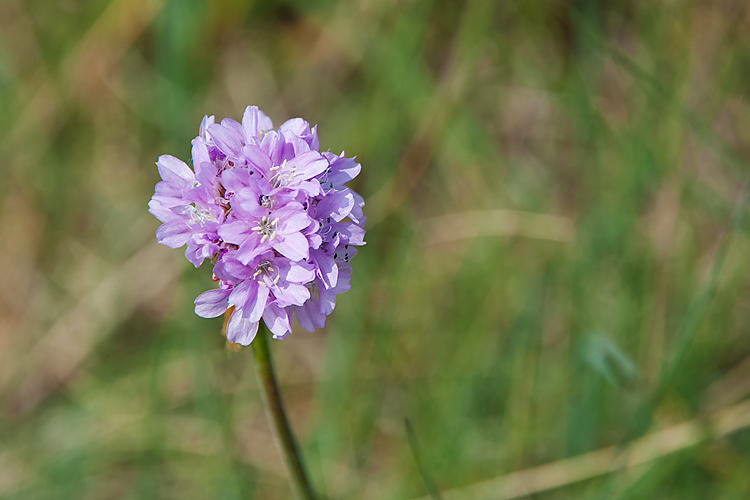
[266, 228]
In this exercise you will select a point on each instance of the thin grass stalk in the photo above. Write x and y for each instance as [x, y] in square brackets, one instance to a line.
[282, 432]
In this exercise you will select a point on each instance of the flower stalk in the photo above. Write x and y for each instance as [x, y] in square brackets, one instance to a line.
[282, 432]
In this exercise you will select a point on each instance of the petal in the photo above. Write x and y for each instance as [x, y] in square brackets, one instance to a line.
[158, 210]
[256, 304]
[327, 303]
[312, 139]
[235, 179]
[273, 146]
[170, 194]
[172, 169]
[205, 122]
[298, 272]
[255, 122]
[292, 221]
[242, 293]
[234, 126]
[241, 330]
[308, 165]
[291, 294]
[235, 232]
[343, 283]
[300, 145]
[237, 269]
[212, 303]
[206, 176]
[312, 188]
[252, 248]
[174, 233]
[220, 272]
[342, 169]
[294, 246]
[277, 320]
[194, 253]
[226, 139]
[335, 204]
[328, 271]
[314, 310]
[296, 126]
[357, 215]
[303, 318]
[258, 158]
[200, 152]
[353, 233]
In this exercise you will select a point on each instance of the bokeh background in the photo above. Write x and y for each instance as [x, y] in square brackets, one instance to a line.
[554, 292]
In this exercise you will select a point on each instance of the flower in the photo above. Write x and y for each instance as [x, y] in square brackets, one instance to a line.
[271, 212]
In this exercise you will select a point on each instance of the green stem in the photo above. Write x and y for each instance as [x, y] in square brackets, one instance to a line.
[282, 432]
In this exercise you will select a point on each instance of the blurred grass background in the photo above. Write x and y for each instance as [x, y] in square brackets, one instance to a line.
[557, 256]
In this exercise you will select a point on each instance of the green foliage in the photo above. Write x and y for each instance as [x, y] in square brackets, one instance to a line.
[592, 288]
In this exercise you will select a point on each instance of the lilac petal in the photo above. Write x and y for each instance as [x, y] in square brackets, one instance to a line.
[314, 240]
[251, 248]
[300, 146]
[296, 126]
[172, 169]
[285, 147]
[227, 140]
[294, 246]
[256, 304]
[237, 269]
[342, 169]
[358, 216]
[234, 126]
[292, 294]
[309, 316]
[199, 152]
[343, 283]
[174, 233]
[235, 232]
[328, 271]
[205, 122]
[273, 146]
[255, 122]
[194, 253]
[161, 212]
[344, 254]
[206, 175]
[246, 204]
[311, 188]
[241, 330]
[212, 303]
[292, 221]
[277, 320]
[335, 204]
[358, 198]
[301, 129]
[169, 193]
[235, 179]
[303, 317]
[258, 158]
[313, 139]
[241, 293]
[221, 273]
[316, 315]
[327, 303]
[308, 165]
[298, 272]
[354, 234]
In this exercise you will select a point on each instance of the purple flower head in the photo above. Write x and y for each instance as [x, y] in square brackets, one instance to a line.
[272, 214]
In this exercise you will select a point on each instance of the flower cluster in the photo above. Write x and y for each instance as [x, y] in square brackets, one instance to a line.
[273, 215]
